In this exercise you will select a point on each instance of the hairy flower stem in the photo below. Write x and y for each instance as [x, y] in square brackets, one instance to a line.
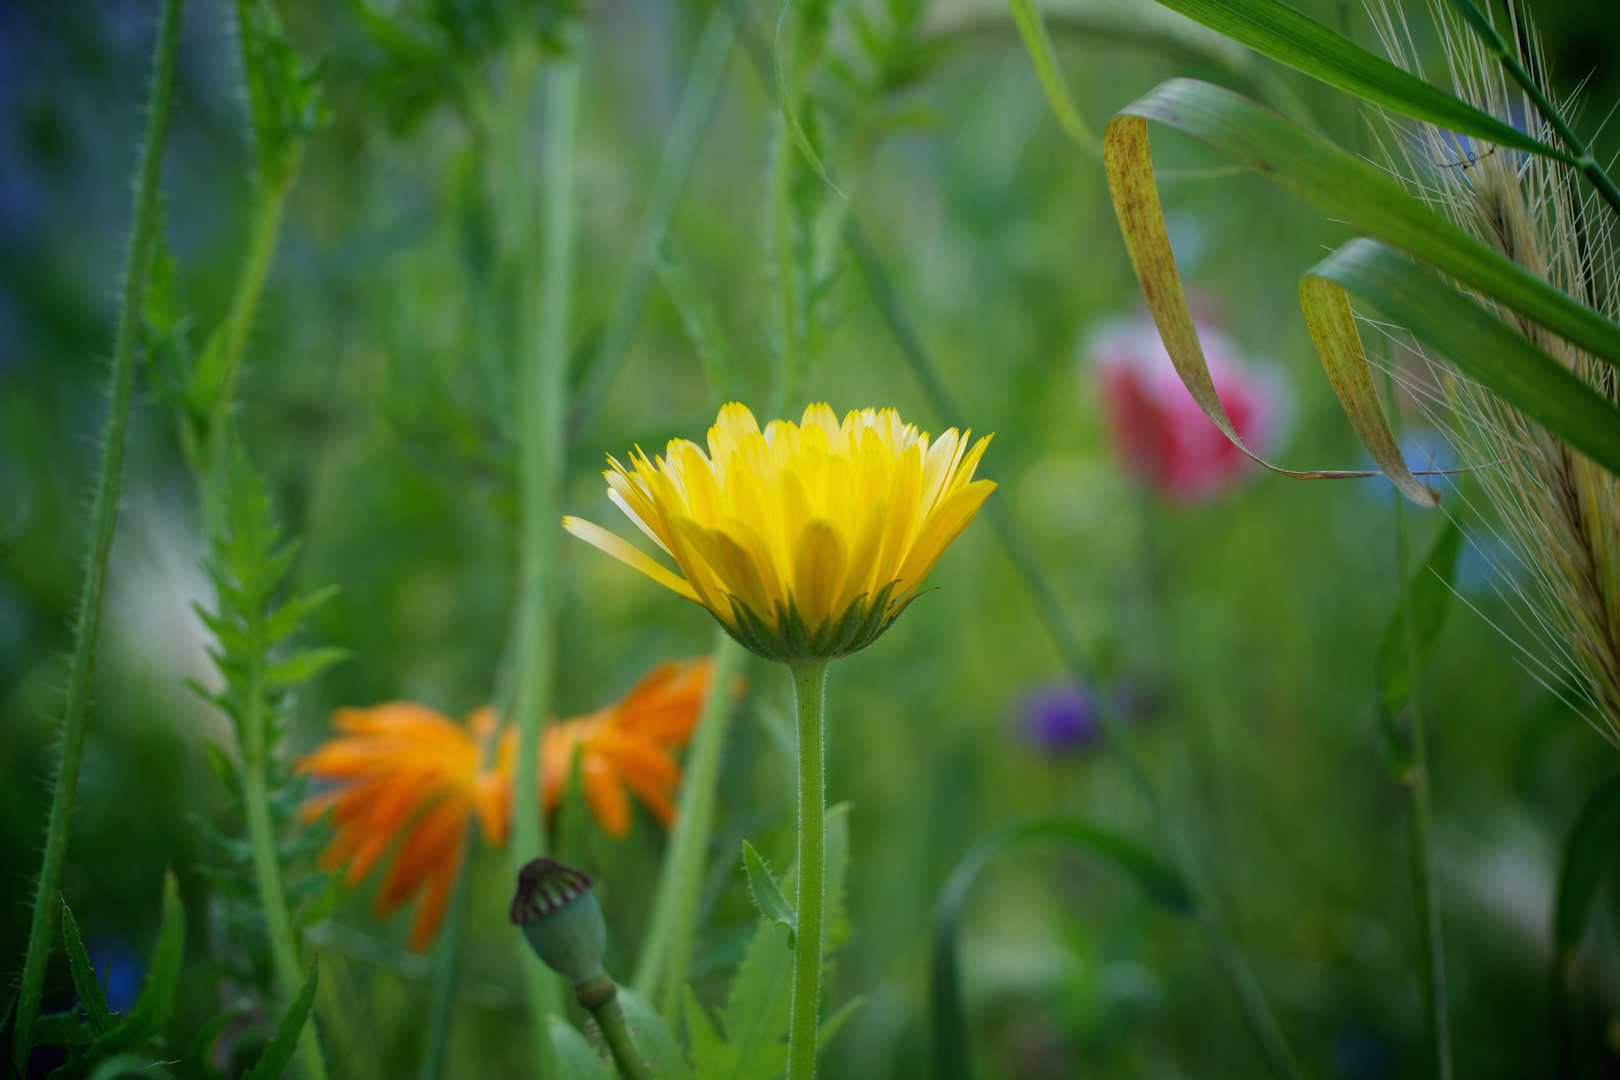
[543, 391]
[810, 697]
[103, 520]
[284, 940]
[441, 996]
[1579, 151]
[1229, 958]
[667, 954]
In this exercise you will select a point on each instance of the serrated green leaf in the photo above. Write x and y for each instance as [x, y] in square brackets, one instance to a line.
[1407, 646]
[121, 1065]
[953, 1052]
[200, 1053]
[767, 895]
[757, 1007]
[152, 1009]
[91, 996]
[836, 868]
[653, 1036]
[576, 1058]
[702, 325]
[290, 615]
[1480, 344]
[278, 1054]
[1290, 37]
[303, 666]
[709, 1051]
[1039, 46]
[829, 1027]
[60, 1029]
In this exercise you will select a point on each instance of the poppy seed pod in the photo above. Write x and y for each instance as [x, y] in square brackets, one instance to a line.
[561, 918]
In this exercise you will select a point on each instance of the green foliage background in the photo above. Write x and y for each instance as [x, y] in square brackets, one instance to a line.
[375, 396]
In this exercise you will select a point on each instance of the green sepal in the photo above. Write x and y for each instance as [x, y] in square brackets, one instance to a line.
[792, 641]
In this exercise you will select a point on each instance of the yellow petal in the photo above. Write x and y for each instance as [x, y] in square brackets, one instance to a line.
[936, 534]
[818, 571]
[600, 538]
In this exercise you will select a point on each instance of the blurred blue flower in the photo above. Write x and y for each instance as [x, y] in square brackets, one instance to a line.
[121, 970]
[1060, 718]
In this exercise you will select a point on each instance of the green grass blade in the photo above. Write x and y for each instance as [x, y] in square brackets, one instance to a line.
[1588, 854]
[1129, 166]
[1480, 344]
[1338, 344]
[1587, 857]
[84, 976]
[1348, 189]
[953, 1051]
[1039, 45]
[276, 1056]
[1274, 29]
[1428, 598]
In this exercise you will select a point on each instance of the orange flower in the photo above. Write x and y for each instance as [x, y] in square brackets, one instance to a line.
[628, 744]
[402, 771]
[405, 771]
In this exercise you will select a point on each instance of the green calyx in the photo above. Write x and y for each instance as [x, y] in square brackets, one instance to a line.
[561, 919]
[791, 641]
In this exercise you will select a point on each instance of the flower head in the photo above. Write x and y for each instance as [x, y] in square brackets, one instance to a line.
[628, 744]
[403, 771]
[1161, 434]
[805, 541]
[1060, 719]
[561, 918]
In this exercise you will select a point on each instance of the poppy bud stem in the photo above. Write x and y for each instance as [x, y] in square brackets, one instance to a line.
[600, 997]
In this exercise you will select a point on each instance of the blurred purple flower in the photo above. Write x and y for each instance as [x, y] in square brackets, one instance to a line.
[1059, 718]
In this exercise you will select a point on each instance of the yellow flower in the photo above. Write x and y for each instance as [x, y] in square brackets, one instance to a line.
[804, 541]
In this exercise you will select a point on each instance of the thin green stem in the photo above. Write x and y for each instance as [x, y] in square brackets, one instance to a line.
[284, 939]
[667, 954]
[790, 361]
[1584, 161]
[1425, 884]
[691, 118]
[616, 1033]
[1212, 925]
[103, 520]
[543, 392]
[810, 697]
[441, 991]
[213, 385]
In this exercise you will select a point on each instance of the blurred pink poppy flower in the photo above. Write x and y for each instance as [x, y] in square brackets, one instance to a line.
[1160, 433]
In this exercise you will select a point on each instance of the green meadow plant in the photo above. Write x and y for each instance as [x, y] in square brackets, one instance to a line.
[1487, 239]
